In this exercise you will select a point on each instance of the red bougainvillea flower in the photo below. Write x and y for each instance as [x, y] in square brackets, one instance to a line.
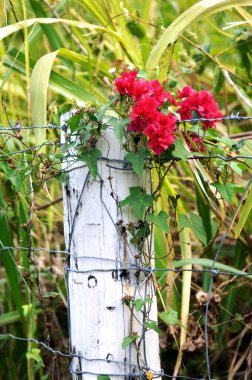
[201, 102]
[143, 112]
[156, 91]
[161, 132]
[146, 116]
[128, 84]
[125, 83]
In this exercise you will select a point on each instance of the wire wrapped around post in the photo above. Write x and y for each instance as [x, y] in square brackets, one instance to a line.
[103, 278]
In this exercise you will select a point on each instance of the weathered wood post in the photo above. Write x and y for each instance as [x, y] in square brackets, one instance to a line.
[102, 277]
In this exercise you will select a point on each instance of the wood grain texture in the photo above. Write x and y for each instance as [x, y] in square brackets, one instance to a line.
[99, 319]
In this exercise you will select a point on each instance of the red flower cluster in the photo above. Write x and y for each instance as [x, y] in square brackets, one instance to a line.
[201, 102]
[204, 105]
[147, 118]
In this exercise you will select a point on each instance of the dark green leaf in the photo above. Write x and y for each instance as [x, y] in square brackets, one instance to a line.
[100, 115]
[226, 190]
[180, 151]
[61, 177]
[91, 158]
[184, 222]
[170, 318]
[238, 146]
[159, 220]
[118, 125]
[140, 234]
[153, 326]
[129, 339]
[218, 79]
[138, 199]
[136, 29]
[103, 377]
[74, 122]
[137, 159]
[196, 225]
[140, 303]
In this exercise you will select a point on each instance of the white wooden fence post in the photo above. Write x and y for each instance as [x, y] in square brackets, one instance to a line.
[100, 272]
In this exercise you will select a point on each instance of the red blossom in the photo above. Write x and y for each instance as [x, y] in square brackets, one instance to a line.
[146, 115]
[161, 132]
[139, 89]
[201, 102]
[186, 92]
[125, 83]
[143, 112]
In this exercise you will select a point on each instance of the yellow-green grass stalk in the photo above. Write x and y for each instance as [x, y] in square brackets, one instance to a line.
[186, 252]
[197, 12]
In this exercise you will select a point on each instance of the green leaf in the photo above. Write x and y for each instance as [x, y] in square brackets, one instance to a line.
[236, 168]
[153, 326]
[238, 146]
[27, 310]
[208, 263]
[159, 220]
[74, 122]
[103, 109]
[184, 222]
[170, 318]
[218, 79]
[118, 125]
[137, 159]
[245, 212]
[196, 224]
[226, 190]
[103, 377]
[35, 354]
[180, 151]
[138, 199]
[91, 158]
[129, 339]
[198, 227]
[135, 29]
[138, 303]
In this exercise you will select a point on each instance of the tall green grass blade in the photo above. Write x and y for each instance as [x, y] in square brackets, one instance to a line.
[13, 28]
[52, 36]
[60, 84]
[245, 212]
[96, 10]
[10, 266]
[186, 252]
[204, 212]
[208, 263]
[230, 300]
[22, 212]
[188, 18]
[39, 85]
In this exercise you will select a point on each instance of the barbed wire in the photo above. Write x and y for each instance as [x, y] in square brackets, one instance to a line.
[232, 117]
[135, 267]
